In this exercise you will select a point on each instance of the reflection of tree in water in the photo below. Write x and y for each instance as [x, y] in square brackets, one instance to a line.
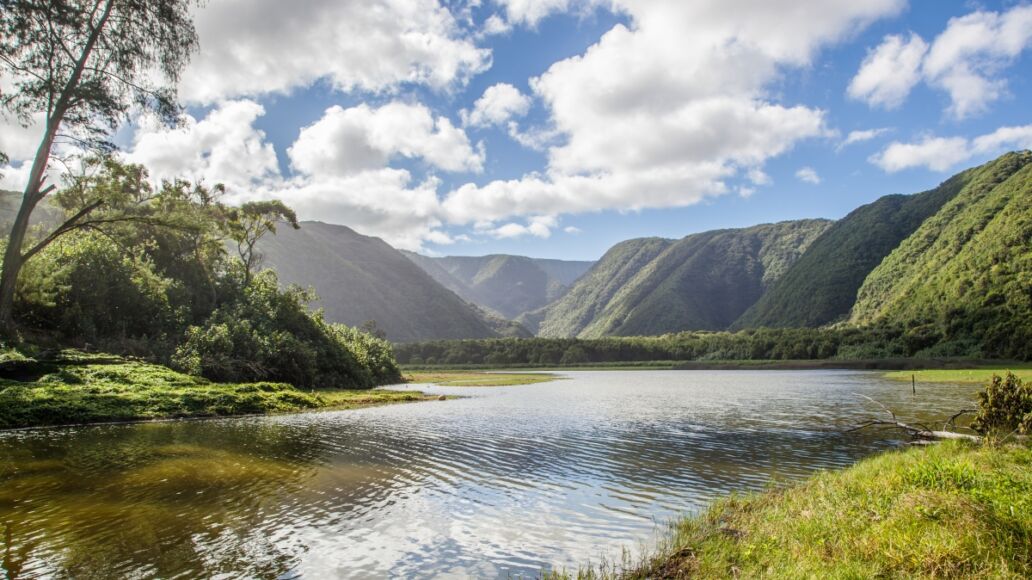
[156, 499]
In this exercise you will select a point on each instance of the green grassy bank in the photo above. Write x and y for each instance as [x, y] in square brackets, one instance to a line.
[461, 378]
[966, 375]
[75, 388]
[950, 510]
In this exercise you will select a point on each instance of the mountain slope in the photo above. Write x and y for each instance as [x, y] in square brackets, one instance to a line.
[508, 285]
[966, 273]
[588, 296]
[821, 286]
[360, 278]
[704, 281]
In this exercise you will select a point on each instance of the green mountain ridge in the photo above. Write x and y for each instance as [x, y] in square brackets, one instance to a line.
[504, 284]
[963, 280]
[820, 288]
[701, 282]
[360, 278]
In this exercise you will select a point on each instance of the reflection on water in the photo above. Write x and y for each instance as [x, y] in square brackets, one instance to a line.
[506, 482]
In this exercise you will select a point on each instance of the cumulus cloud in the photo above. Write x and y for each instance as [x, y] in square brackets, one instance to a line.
[808, 175]
[530, 12]
[862, 135]
[965, 61]
[662, 111]
[346, 141]
[889, 72]
[222, 147]
[537, 226]
[252, 47]
[966, 58]
[342, 167]
[497, 105]
[943, 153]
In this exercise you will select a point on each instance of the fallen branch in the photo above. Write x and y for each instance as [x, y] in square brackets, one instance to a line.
[919, 432]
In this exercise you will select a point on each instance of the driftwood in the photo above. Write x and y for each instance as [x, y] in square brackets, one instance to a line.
[918, 431]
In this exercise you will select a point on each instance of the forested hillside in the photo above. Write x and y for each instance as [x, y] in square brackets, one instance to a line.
[585, 300]
[963, 280]
[507, 285]
[821, 286]
[701, 282]
[360, 278]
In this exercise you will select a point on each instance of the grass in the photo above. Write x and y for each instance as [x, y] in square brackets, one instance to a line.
[972, 375]
[452, 378]
[76, 388]
[950, 510]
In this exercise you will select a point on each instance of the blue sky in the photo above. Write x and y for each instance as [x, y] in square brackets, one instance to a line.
[637, 117]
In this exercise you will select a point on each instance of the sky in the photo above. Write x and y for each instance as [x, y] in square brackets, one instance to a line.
[557, 128]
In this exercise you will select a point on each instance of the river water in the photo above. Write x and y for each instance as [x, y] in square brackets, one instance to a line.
[505, 482]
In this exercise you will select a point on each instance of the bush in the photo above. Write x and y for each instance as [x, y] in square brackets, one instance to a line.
[1005, 406]
[269, 335]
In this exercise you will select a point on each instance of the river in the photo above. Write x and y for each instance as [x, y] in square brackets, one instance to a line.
[504, 482]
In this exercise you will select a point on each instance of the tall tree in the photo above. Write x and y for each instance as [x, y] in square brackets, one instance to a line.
[251, 222]
[82, 65]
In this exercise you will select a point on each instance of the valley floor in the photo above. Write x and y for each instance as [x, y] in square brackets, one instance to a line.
[949, 510]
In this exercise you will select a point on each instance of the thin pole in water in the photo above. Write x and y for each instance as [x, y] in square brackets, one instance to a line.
[913, 383]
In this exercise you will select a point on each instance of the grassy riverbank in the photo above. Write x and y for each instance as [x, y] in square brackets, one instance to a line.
[75, 388]
[977, 375]
[460, 378]
[948, 510]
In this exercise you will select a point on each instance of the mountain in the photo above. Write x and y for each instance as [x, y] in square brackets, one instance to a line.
[507, 285]
[582, 302]
[704, 281]
[821, 286]
[360, 278]
[965, 275]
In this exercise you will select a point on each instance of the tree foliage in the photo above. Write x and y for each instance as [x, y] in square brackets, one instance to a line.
[1004, 407]
[149, 274]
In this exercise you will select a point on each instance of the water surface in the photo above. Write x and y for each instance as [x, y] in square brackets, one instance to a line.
[505, 482]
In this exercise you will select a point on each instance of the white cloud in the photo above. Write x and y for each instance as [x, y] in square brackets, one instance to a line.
[808, 175]
[253, 47]
[935, 153]
[376, 199]
[942, 153]
[497, 105]
[966, 58]
[537, 226]
[346, 141]
[530, 12]
[572, 230]
[1004, 138]
[965, 61]
[863, 135]
[889, 72]
[224, 147]
[662, 111]
[495, 25]
[758, 177]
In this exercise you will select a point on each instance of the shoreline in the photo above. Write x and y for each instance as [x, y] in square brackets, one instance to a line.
[903, 364]
[952, 509]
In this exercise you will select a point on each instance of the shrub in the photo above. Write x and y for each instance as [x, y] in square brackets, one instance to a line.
[1005, 406]
[269, 335]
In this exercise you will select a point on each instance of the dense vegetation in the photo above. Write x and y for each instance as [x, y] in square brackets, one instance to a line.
[702, 282]
[762, 344]
[586, 299]
[362, 279]
[964, 279]
[821, 286]
[508, 285]
[151, 277]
